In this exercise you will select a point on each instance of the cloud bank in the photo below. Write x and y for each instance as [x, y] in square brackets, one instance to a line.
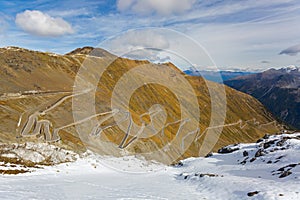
[38, 23]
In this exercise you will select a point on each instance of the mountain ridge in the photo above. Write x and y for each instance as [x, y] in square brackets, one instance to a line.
[277, 89]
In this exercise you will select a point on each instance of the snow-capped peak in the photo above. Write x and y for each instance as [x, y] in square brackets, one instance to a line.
[290, 68]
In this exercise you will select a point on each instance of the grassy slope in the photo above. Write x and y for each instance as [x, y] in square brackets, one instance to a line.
[23, 70]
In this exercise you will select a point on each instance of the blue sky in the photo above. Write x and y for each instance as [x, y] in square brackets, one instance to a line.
[236, 34]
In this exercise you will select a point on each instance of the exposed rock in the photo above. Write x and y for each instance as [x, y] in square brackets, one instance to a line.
[266, 136]
[34, 155]
[268, 144]
[227, 149]
[243, 162]
[13, 171]
[259, 140]
[209, 175]
[209, 155]
[251, 194]
[245, 153]
[292, 165]
[280, 143]
[178, 164]
[285, 174]
[259, 153]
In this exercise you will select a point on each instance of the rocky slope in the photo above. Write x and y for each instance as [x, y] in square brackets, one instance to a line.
[278, 90]
[37, 94]
[267, 169]
[28, 157]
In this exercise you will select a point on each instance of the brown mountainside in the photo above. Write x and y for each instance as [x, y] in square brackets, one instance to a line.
[36, 105]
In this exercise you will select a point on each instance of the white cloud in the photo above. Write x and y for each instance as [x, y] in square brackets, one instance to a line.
[137, 39]
[146, 7]
[139, 44]
[41, 24]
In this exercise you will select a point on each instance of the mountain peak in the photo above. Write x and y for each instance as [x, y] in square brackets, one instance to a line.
[91, 51]
[84, 50]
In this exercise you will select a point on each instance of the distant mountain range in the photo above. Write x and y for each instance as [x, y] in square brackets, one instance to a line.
[217, 76]
[277, 89]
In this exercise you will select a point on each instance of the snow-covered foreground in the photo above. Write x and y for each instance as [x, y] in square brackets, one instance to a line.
[269, 169]
[89, 179]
